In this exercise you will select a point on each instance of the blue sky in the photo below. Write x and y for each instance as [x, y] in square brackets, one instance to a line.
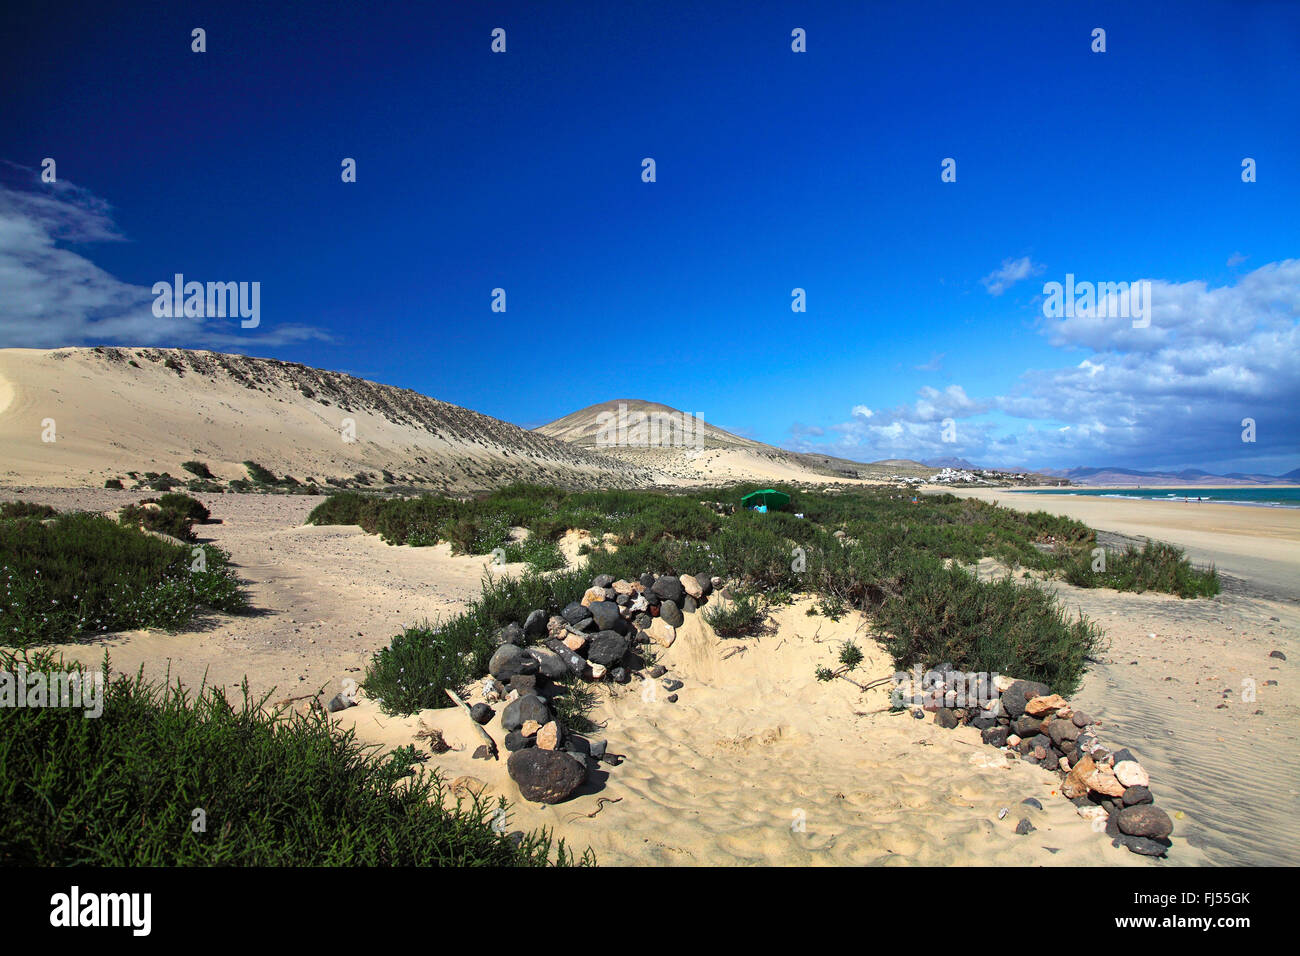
[775, 170]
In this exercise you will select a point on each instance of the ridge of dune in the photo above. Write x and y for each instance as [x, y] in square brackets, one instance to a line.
[116, 410]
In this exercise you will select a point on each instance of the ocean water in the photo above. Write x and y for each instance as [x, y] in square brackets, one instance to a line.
[1265, 496]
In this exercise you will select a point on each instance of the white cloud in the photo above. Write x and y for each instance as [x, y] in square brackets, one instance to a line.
[1011, 272]
[51, 296]
[1173, 393]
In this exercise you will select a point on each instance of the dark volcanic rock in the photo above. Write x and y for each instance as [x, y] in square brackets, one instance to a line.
[1142, 845]
[602, 581]
[481, 713]
[646, 580]
[1024, 827]
[545, 776]
[1081, 719]
[535, 625]
[620, 675]
[1136, 796]
[548, 662]
[1062, 730]
[671, 613]
[1015, 697]
[513, 634]
[1025, 726]
[607, 648]
[524, 683]
[689, 605]
[517, 741]
[946, 718]
[1145, 820]
[509, 660]
[706, 583]
[528, 707]
[606, 616]
[669, 588]
[997, 736]
[574, 612]
[1032, 802]
[572, 659]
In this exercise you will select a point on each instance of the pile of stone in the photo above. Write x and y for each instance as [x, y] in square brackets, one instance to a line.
[1027, 722]
[595, 638]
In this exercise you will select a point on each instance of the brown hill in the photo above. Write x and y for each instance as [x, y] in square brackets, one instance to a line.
[115, 410]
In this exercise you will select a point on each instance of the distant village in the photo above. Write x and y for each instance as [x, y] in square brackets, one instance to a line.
[978, 476]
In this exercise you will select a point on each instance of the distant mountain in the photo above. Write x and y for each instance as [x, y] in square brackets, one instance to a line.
[659, 437]
[1188, 476]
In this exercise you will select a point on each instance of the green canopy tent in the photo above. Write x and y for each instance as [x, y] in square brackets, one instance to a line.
[768, 497]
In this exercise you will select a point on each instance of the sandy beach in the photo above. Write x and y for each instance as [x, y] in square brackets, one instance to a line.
[1177, 670]
[758, 762]
[1255, 544]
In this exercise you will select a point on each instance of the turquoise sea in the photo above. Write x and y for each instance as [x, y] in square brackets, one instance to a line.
[1266, 496]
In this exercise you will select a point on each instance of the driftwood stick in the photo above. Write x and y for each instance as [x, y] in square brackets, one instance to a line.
[487, 738]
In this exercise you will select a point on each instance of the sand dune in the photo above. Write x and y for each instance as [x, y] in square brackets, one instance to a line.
[116, 410]
[690, 450]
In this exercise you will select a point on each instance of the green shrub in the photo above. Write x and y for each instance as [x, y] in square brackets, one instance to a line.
[423, 662]
[84, 573]
[166, 521]
[538, 553]
[113, 483]
[946, 614]
[183, 504]
[1156, 567]
[259, 475]
[198, 469]
[121, 790]
[26, 509]
[744, 614]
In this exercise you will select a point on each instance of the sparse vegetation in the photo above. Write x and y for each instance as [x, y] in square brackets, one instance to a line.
[26, 509]
[120, 790]
[198, 469]
[1154, 567]
[80, 573]
[870, 550]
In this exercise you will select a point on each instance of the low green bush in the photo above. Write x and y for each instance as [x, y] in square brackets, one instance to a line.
[122, 790]
[83, 573]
